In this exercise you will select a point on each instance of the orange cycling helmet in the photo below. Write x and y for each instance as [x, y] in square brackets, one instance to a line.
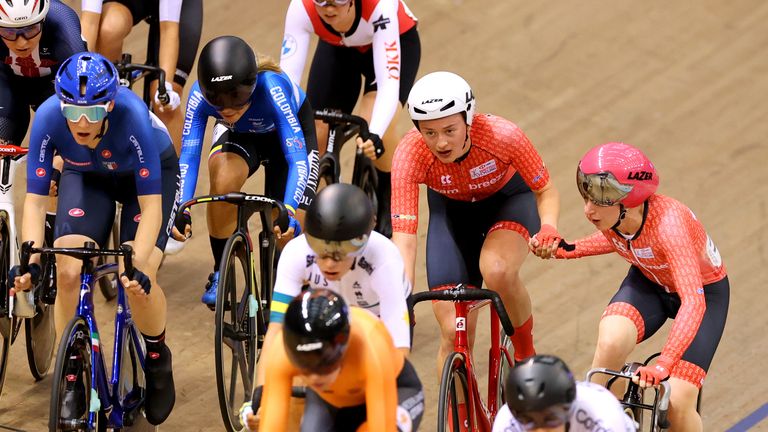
[616, 173]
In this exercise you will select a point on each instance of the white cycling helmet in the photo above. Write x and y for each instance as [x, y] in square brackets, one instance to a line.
[22, 13]
[439, 95]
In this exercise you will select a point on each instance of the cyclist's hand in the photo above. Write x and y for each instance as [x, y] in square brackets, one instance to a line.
[248, 418]
[174, 100]
[370, 146]
[26, 281]
[183, 223]
[648, 376]
[139, 285]
[54, 187]
[545, 242]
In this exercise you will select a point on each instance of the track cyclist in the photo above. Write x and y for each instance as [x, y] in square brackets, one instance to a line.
[488, 191]
[675, 272]
[262, 118]
[373, 39]
[357, 379]
[542, 395]
[106, 23]
[114, 149]
[37, 36]
[339, 251]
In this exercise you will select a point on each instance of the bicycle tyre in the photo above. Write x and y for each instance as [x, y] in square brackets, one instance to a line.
[447, 409]
[7, 324]
[40, 338]
[235, 339]
[504, 368]
[132, 384]
[6, 329]
[75, 343]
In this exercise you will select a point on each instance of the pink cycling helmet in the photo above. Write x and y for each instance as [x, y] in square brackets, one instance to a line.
[616, 173]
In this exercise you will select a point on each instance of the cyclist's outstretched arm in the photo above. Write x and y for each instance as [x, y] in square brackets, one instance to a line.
[296, 38]
[169, 16]
[197, 113]
[89, 21]
[594, 244]
[387, 67]
[407, 244]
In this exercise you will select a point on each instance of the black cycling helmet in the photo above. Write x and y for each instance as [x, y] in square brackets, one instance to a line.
[316, 331]
[540, 391]
[226, 72]
[339, 221]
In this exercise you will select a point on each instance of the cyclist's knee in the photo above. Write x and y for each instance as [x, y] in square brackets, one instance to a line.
[614, 345]
[116, 23]
[68, 275]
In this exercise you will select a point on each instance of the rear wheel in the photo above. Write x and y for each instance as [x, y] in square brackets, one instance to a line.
[454, 393]
[71, 390]
[238, 315]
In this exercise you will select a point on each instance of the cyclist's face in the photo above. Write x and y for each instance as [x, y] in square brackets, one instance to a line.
[84, 132]
[22, 46]
[336, 15]
[322, 382]
[232, 115]
[334, 270]
[446, 137]
[603, 218]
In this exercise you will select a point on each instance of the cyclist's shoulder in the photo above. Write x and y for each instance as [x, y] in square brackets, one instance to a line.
[381, 251]
[412, 146]
[58, 12]
[296, 250]
[490, 128]
[594, 404]
[47, 114]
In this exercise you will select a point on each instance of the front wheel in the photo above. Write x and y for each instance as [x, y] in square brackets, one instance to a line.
[8, 329]
[238, 314]
[132, 383]
[40, 336]
[454, 396]
[71, 391]
[504, 367]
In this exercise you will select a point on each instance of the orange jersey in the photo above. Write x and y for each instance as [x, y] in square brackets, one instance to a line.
[499, 150]
[368, 376]
[673, 250]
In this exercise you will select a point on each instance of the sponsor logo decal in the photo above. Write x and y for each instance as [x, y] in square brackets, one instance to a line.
[40, 172]
[221, 78]
[380, 23]
[393, 59]
[76, 212]
[289, 46]
[483, 169]
[143, 173]
[106, 154]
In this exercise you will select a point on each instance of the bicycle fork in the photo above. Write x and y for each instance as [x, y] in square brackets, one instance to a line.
[477, 414]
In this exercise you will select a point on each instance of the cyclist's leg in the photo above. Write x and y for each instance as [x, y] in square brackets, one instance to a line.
[634, 314]
[689, 373]
[190, 28]
[85, 213]
[333, 83]
[511, 216]
[230, 163]
[410, 399]
[117, 20]
[453, 251]
[319, 416]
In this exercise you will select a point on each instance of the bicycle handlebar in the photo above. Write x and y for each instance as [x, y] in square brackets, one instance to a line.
[333, 117]
[258, 203]
[125, 67]
[84, 253]
[662, 406]
[462, 293]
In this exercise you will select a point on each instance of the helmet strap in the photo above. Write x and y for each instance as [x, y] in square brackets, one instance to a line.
[103, 129]
[622, 215]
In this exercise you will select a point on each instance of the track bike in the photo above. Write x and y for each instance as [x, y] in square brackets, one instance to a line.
[242, 304]
[341, 128]
[39, 332]
[458, 384]
[112, 402]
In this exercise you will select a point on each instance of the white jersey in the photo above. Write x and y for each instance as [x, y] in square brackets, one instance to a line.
[379, 28]
[170, 10]
[595, 410]
[376, 282]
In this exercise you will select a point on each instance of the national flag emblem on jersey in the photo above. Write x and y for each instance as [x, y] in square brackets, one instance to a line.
[483, 169]
[110, 165]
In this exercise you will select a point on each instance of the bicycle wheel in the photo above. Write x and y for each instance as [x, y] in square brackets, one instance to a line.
[453, 392]
[72, 381]
[40, 337]
[131, 383]
[504, 368]
[236, 329]
[8, 325]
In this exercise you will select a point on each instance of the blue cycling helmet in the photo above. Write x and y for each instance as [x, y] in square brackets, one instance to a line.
[86, 78]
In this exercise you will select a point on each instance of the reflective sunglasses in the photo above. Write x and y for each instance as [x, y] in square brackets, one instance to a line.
[336, 250]
[92, 113]
[324, 3]
[27, 32]
[603, 189]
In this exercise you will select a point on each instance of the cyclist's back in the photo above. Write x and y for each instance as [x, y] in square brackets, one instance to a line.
[368, 375]
[595, 409]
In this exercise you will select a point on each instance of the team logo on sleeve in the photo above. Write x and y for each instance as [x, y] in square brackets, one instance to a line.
[143, 173]
[76, 212]
[289, 46]
[106, 154]
[380, 23]
[40, 172]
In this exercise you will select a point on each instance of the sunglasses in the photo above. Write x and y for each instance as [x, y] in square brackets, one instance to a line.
[27, 32]
[324, 3]
[603, 189]
[92, 113]
[336, 250]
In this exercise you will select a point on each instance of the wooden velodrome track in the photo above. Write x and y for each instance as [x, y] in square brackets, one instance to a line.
[685, 81]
